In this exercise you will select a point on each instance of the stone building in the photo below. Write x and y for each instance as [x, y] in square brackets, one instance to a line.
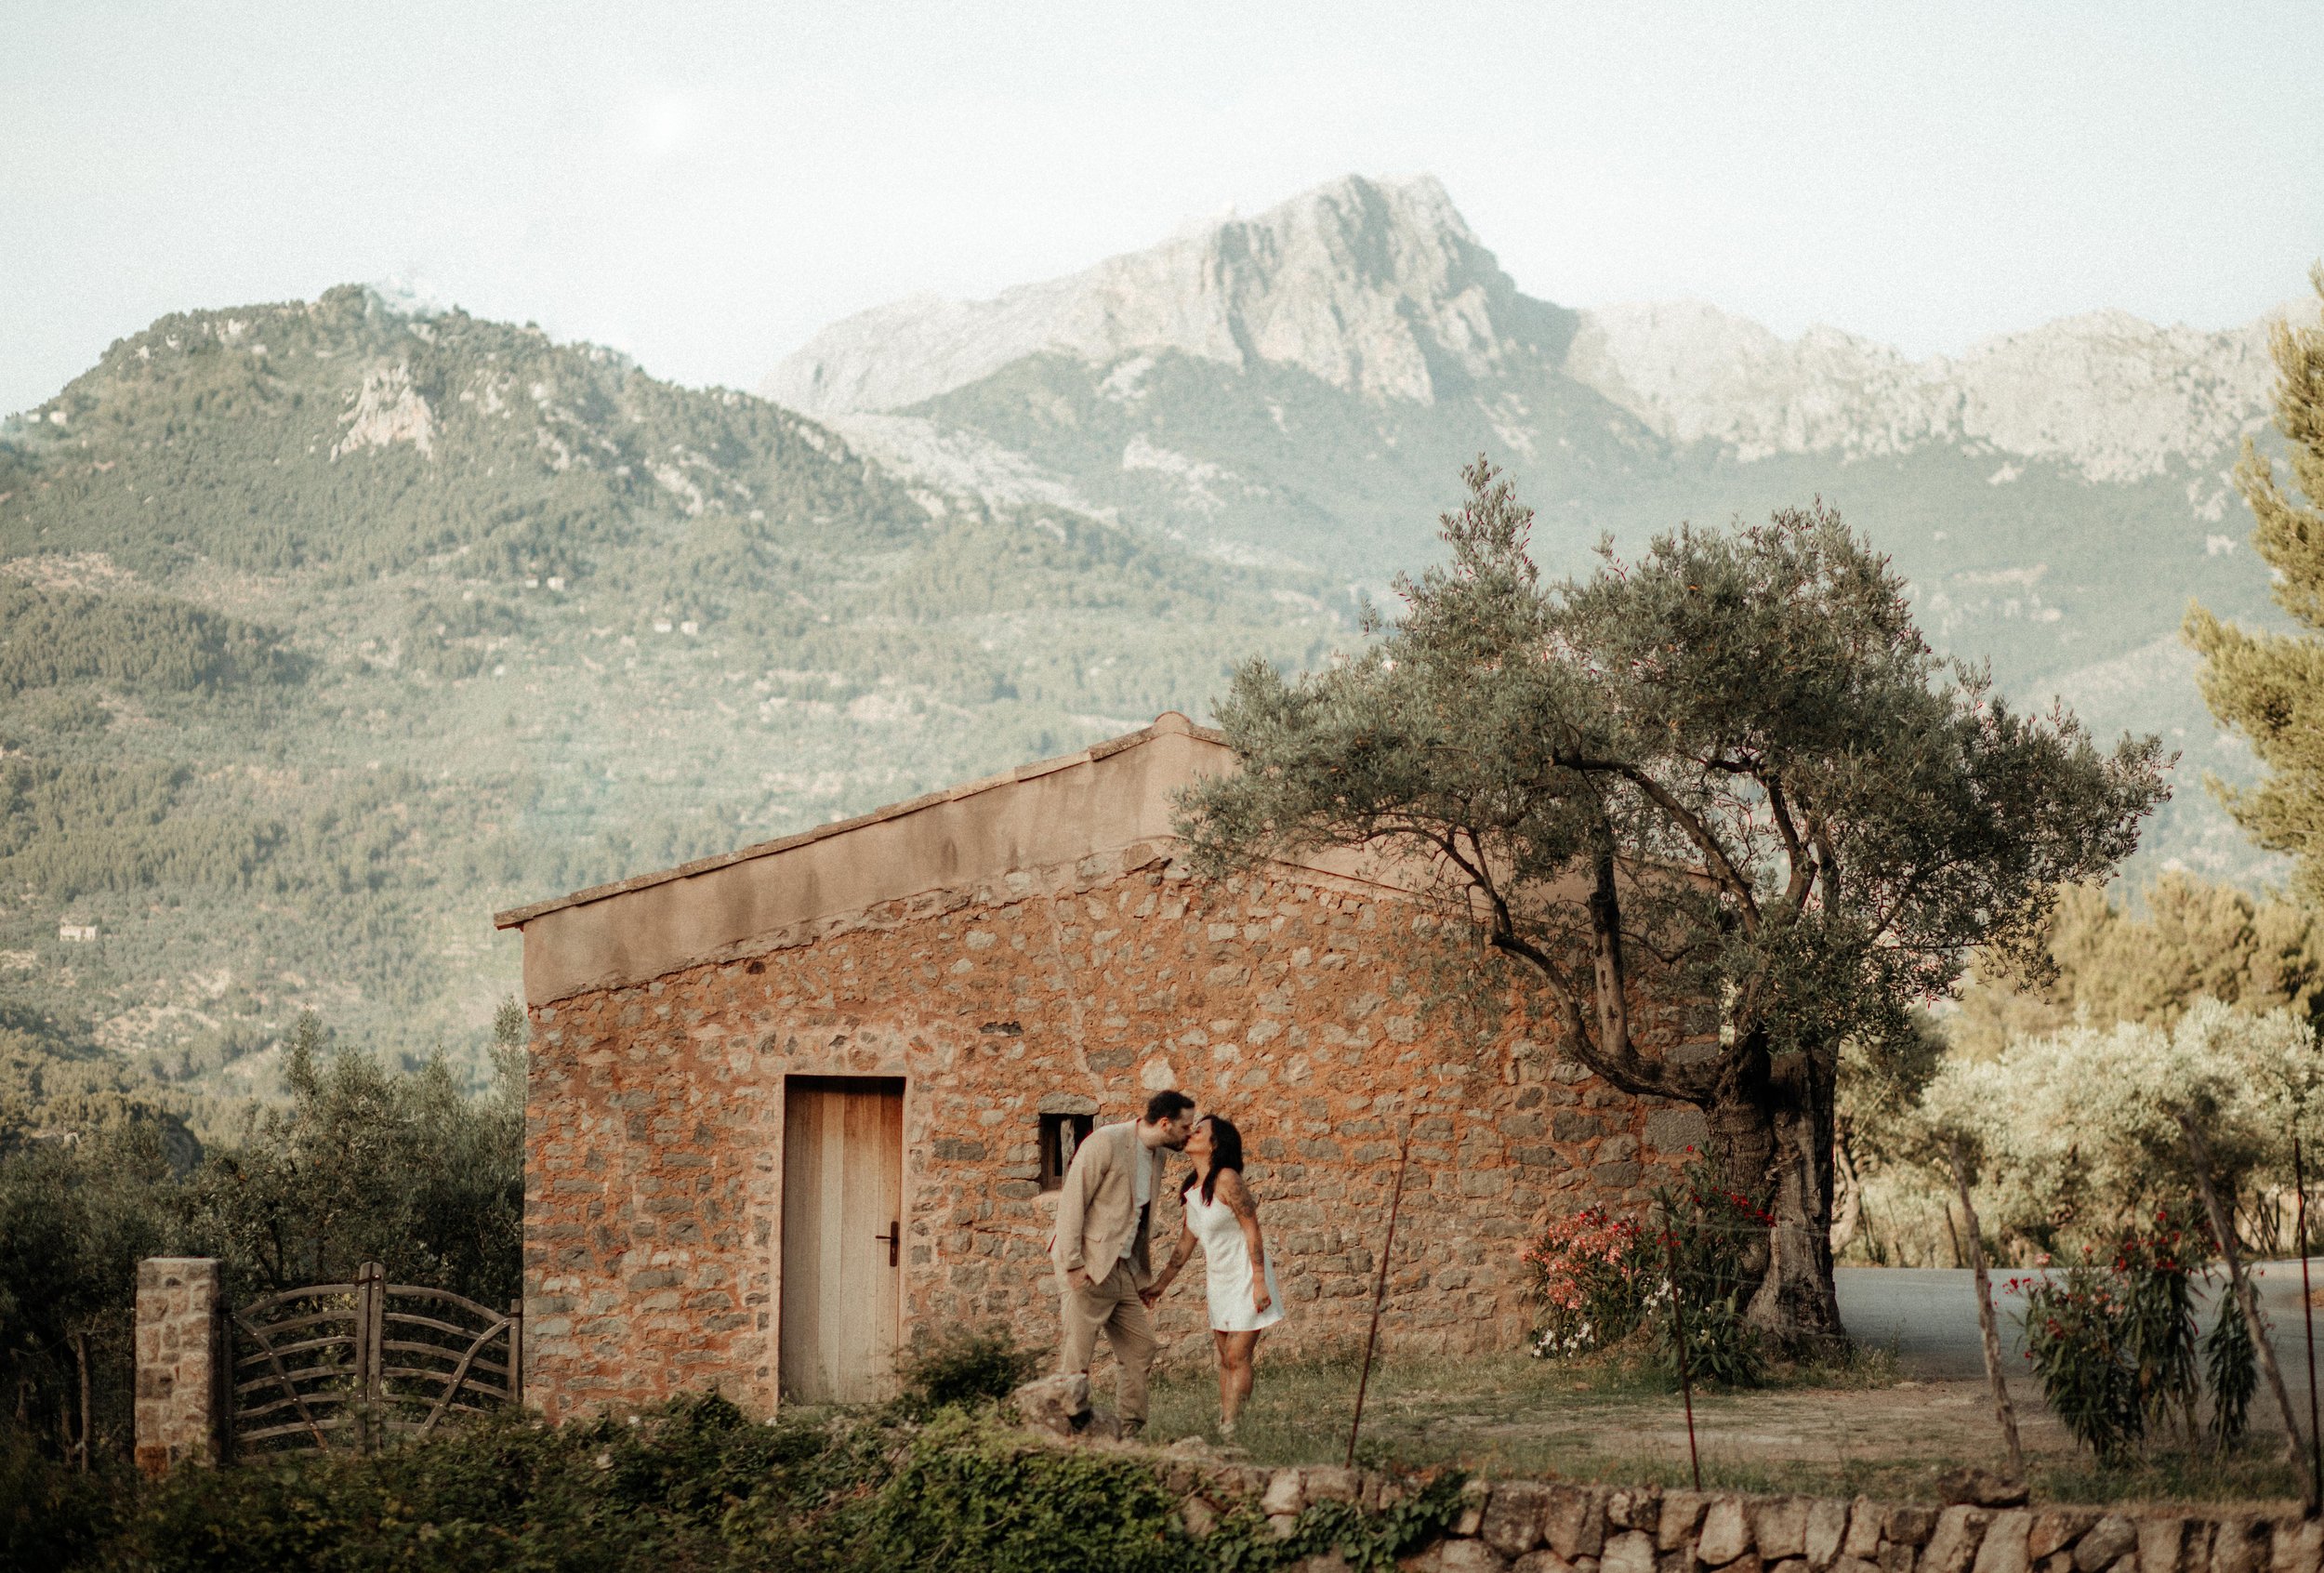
[790, 1106]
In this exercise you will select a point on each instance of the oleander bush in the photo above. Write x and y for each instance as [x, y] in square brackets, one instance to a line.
[1607, 1283]
[2117, 1345]
[1592, 1276]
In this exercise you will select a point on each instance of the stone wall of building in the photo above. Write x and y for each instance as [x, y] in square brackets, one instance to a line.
[1292, 1005]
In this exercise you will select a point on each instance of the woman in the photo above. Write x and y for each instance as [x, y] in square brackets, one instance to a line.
[1223, 1219]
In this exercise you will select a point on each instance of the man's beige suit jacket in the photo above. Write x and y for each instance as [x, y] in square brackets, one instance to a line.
[1096, 1211]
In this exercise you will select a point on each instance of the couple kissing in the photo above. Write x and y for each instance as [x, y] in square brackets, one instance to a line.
[1105, 1223]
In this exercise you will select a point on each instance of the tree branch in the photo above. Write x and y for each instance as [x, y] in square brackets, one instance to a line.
[1608, 970]
[1639, 1077]
[1827, 863]
[1722, 866]
[1803, 869]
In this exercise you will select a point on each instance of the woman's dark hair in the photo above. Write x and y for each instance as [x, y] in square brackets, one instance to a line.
[1226, 1152]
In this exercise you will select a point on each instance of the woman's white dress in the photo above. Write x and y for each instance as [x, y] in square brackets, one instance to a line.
[1226, 1263]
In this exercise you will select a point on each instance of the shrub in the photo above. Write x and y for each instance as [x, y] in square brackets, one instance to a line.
[2116, 1350]
[1592, 1275]
[694, 1487]
[2074, 1338]
[2156, 1300]
[965, 1365]
[971, 1499]
[1708, 1233]
[51, 1517]
[2231, 1363]
[1604, 1282]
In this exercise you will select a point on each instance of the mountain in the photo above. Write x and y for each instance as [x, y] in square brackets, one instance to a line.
[327, 627]
[2112, 397]
[1298, 389]
[1375, 288]
[326, 630]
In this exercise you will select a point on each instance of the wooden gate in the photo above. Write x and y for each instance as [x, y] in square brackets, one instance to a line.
[355, 1364]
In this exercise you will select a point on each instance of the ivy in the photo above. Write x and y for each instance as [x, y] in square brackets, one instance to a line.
[1369, 1541]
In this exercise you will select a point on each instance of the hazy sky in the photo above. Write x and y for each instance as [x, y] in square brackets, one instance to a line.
[704, 186]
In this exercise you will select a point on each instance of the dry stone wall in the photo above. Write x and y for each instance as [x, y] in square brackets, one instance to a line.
[1291, 1004]
[1533, 1527]
[182, 1362]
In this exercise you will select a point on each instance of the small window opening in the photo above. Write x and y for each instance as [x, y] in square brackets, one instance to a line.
[1062, 1135]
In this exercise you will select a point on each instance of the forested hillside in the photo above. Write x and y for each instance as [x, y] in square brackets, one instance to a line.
[325, 631]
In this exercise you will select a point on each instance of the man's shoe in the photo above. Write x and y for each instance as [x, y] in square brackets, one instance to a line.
[1131, 1430]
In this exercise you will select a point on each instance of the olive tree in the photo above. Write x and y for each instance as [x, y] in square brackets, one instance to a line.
[1731, 772]
[363, 1164]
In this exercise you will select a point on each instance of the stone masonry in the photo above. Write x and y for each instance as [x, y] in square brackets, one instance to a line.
[180, 1362]
[1533, 1527]
[1292, 1002]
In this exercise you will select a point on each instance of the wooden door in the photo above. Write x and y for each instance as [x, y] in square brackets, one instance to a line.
[842, 1238]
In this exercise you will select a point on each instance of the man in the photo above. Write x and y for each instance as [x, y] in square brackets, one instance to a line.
[1104, 1221]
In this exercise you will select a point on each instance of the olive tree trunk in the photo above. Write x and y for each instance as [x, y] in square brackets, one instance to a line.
[1771, 1138]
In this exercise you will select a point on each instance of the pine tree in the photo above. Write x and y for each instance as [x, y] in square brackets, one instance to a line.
[2270, 687]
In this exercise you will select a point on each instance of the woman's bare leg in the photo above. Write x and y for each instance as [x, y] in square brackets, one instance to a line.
[1238, 1354]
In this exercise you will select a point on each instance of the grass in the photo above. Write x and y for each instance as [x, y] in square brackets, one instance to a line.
[1845, 1429]
[1509, 1412]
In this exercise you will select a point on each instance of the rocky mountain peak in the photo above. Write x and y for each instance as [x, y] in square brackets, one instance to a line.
[1376, 286]
[2106, 392]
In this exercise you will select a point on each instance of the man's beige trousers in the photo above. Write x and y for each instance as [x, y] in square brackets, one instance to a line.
[1111, 1306]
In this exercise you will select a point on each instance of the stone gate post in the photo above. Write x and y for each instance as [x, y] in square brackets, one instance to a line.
[182, 1375]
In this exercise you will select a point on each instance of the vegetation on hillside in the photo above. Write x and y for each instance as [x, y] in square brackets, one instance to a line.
[137, 643]
[326, 631]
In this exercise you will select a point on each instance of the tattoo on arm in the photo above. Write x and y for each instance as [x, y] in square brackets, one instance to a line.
[1237, 1196]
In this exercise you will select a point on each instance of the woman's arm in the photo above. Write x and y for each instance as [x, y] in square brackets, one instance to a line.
[1237, 1196]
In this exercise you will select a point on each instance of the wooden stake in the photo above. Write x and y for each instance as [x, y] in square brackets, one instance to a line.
[1380, 1292]
[2307, 1318]
[80, 1359]
[2248, 1296]
[2002, 1411]
[1687, 1380]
